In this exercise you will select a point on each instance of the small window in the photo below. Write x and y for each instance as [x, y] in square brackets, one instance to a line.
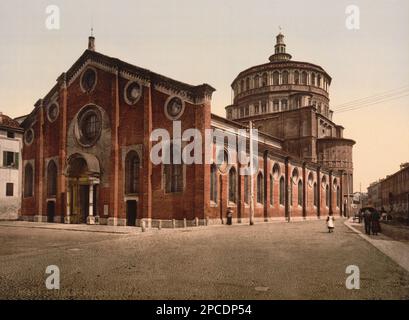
[265, 79]
[52, 112]
[256, 108]
[9, 189]
[10, 159]
[285, 77]
[276, 78]
[264, 107]
[89, 80]
[276, 105]
[296, 77]
[132, 93]
[11, 135]
[29, 136]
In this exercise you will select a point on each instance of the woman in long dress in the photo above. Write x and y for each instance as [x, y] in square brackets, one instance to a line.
[330, 223]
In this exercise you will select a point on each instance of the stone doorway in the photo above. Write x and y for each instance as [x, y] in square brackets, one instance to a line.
[83, 178]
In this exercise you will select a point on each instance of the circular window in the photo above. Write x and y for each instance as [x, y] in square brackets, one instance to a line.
[88, 80]
[174, 108]
[133, 92]
[90, 126]
[52, 112]
[29, 136]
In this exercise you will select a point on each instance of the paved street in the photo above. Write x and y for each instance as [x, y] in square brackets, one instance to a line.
[299, 260]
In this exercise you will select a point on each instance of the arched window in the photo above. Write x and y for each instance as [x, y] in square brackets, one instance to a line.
[28, 180]
[327, 195]
[282, 191]
[248, 84]
[232, 185]
[276, 78]
[132, 167]
[271, 189]
[285, 77]
[256, 81]
[263, 107]
[276, 106]
[173, 173]
[319, 81]
[265, 79]
[213, 183]
[260, 188]
[256, 108]
[296, 77]
[246, 188]
[284, 105]
[315, 191]
[242, 85]
[300, 193]
[313, 79]
[338, 197]
[304, 78]
[51, 179]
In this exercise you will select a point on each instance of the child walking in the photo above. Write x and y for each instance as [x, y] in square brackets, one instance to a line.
[330, 223]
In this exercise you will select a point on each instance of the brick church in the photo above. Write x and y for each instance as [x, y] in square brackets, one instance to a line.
[86, 151]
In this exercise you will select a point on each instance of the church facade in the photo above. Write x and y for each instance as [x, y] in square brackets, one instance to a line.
[87, 146]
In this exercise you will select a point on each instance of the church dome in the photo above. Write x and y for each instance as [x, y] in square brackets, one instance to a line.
[280, 85]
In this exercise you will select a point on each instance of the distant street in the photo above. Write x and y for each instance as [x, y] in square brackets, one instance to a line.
[298, 260]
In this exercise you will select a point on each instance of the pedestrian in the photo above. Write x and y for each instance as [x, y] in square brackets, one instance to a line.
[376, 226]
[330, 223]
[367, 222]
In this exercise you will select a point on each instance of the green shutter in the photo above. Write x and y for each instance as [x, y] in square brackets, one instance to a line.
[16, 160]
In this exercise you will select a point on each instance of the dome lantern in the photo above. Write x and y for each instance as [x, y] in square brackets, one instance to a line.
[280, 50]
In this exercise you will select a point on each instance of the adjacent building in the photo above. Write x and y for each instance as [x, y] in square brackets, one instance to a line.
[391, 193]
[10, 167]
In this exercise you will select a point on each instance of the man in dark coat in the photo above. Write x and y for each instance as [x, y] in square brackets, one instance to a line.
[367, 222]
[376, 226]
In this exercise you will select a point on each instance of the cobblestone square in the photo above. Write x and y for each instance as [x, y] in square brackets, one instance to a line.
[298, 260]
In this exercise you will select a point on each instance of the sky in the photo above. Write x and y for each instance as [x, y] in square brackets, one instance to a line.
[212, 41]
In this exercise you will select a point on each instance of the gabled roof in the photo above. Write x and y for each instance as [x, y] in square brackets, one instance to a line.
[191, 91]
